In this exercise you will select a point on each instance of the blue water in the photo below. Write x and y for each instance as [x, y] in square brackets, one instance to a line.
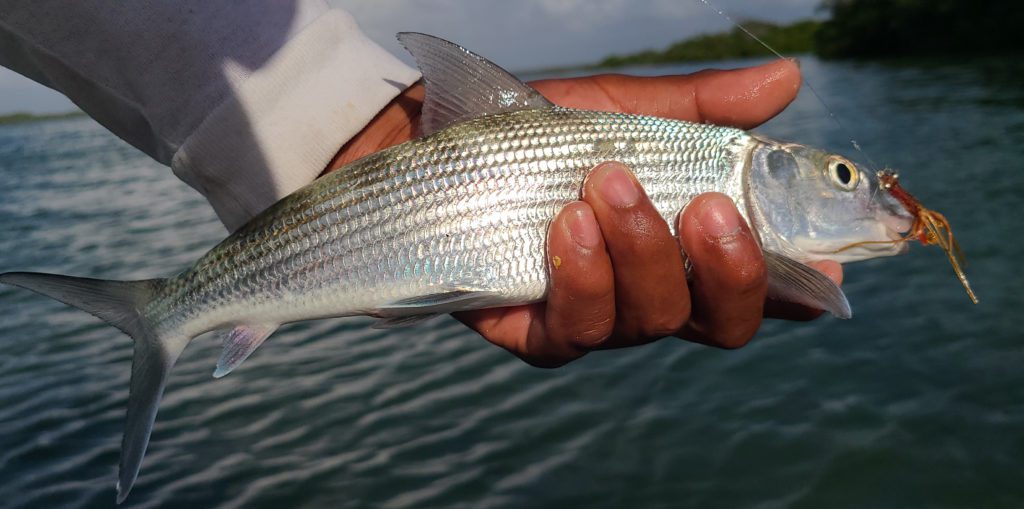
[918, 401]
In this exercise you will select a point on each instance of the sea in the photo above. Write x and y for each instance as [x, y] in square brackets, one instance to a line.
[917, 401]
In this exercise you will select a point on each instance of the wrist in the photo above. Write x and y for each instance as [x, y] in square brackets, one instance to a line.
[395, 123]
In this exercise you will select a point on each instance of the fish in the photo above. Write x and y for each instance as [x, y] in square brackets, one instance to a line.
[457, 218]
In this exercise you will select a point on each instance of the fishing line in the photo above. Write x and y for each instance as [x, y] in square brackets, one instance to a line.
[806, 83]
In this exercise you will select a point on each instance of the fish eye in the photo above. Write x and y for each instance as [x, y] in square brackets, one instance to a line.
[844, 174]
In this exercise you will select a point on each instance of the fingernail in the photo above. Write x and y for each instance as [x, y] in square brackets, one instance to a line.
[617, 187]
[583, 228]
[719, 218]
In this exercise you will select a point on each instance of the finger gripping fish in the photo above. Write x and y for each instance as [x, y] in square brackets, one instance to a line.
[457, 219]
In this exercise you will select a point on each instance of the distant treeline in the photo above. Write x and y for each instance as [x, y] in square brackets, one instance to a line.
[18, 118]
[882, 28]
[789, 39]
[862, 28]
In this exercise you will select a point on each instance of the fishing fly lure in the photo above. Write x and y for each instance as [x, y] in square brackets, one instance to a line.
[930, 227]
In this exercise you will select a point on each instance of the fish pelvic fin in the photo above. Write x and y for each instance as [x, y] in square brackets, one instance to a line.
[461, 85]
[792, 281]
[119, 303]
[239, 344]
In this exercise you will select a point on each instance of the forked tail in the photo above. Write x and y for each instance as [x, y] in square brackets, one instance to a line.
[119, 303]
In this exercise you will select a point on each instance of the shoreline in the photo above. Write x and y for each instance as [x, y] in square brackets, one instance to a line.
[25, 118]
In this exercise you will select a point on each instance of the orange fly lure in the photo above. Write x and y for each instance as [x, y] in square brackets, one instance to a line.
[929, 227]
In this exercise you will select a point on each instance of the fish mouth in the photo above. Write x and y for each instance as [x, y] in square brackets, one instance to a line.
[893, 215]
[881, 235]
[896, 229]
[874, 248]
[896, 226]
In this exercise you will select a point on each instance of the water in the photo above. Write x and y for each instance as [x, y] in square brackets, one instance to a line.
[917, 401]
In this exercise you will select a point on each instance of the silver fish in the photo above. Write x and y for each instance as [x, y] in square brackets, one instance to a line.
[456, 220]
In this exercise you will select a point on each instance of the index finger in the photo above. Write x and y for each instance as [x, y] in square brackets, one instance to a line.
[742, 98]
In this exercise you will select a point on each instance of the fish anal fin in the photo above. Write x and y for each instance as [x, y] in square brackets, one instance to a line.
[461, 85]
[433, 299]
[397, 322]
[415, 310]
[240, 343]
[792, 281]
[442, 300]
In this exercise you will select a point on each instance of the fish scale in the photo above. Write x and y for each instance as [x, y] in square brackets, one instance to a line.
[469, 204]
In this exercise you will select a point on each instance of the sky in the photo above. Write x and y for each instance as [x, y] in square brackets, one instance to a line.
[518, 35]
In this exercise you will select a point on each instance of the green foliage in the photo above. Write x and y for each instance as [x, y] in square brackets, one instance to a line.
[863, 28]
[878, 28]
[789, 39]
[18, 118]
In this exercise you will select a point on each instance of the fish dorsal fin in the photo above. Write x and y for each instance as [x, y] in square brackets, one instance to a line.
[240, 343]
[461, 85]
[792, 281]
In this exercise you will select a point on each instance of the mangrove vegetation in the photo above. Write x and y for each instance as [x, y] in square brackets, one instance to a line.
[861, 29]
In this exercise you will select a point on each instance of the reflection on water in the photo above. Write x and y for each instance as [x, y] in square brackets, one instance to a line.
[917, 401]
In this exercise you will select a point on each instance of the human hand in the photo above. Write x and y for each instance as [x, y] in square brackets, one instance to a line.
[620, 281]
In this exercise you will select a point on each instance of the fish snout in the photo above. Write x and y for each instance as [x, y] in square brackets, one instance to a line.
[891, 213]
[897, 225]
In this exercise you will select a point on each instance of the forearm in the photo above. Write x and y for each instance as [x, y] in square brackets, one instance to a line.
[246, 102]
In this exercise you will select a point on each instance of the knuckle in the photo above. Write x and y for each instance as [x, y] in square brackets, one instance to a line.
[664, 325]
[544, 351]
[750, 280]
[583, 314]
[735, 338]
[593, 336]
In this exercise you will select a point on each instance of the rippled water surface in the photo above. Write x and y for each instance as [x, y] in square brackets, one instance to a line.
[917, 401]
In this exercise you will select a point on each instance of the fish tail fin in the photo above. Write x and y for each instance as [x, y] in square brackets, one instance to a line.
[120, 303]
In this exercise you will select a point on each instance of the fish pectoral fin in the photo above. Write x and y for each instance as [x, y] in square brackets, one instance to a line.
[240, 343]
[461, 85]
[792, 281]
[397, 322]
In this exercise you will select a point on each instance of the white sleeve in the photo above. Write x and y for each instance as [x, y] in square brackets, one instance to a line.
[246, 101]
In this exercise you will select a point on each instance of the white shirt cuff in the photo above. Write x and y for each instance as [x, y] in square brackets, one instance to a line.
[286, 121]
